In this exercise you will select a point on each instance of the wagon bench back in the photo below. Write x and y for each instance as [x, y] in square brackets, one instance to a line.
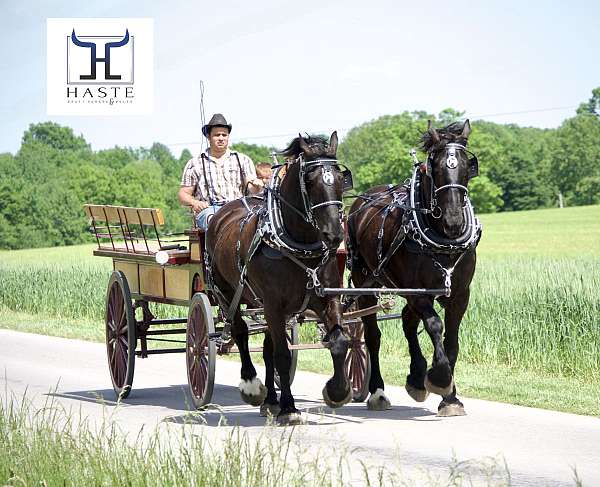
[132, 238]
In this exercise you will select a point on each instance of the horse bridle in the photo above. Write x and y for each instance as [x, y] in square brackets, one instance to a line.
[451, 163]
[328, 166]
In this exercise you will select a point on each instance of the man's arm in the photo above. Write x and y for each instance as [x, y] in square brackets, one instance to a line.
[254, 184]
[186, 197]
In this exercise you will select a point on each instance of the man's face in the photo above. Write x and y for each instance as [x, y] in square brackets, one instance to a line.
[218, 138]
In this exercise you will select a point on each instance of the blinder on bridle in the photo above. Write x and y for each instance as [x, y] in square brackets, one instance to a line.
[328, 166]
[452, 162]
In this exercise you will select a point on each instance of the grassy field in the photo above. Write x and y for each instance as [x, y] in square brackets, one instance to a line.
[531, 335]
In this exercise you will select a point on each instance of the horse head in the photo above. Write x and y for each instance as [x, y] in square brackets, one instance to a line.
[314, 184]
[449, 168]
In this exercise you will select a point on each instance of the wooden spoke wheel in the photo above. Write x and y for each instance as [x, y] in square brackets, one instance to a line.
[358, 363]
[200, 351]
[292, 333]
[121, 337]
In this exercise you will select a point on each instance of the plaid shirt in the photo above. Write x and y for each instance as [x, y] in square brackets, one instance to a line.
[218, 180]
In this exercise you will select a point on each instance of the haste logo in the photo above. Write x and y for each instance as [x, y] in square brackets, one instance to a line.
[108, 65]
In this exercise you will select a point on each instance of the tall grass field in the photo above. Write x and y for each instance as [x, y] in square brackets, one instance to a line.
[534, 310]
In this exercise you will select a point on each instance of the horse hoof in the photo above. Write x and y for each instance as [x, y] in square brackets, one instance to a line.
[418, 395]
[290, 419]
[441, 391]
[452, 409]
[269, 409]
[253, 391]
[378, 401]
[336, 404]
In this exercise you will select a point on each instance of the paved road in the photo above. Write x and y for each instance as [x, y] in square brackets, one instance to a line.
[540, 447]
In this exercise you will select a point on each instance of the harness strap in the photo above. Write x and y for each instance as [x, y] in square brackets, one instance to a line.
[289, 205]
[233, 305]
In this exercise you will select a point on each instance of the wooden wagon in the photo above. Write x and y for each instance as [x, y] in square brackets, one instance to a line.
[150, 267]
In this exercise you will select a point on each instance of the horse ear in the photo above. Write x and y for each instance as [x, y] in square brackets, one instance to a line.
[433, 132]
[303, 145]
[466, 131]
[333, 143]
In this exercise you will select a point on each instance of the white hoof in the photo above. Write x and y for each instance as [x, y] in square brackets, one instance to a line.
[253, 391]
[378, 401]
[291, 419]
[419, 395]
[441, 391]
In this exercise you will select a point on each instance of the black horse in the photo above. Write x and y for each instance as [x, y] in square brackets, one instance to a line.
[283, 249]
[424, 236]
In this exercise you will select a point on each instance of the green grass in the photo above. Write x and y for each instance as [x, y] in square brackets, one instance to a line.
[52, 446]
[534, 310]
[552, 233]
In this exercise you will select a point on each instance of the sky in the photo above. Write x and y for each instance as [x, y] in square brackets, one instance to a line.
[275, 68]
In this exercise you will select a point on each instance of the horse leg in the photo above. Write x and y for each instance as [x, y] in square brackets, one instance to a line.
[251, 388]
[377, 400]
[439, 377]
[337, 390]
[454, 312]
[271, 404]
[415, 385]
[288, 414]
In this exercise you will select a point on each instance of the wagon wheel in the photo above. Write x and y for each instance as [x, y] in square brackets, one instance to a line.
[121, 337]
[293, 339]
[358, 363]
[200, 351]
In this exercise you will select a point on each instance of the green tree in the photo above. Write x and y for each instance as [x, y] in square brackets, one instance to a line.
[485, 195]
[116, 157]
[449, 115]
[378, 151]
[185, 156]
[575, 155]
[54, 135]
[258, 153]
[587, 191]
[592, 106]
[140, 183]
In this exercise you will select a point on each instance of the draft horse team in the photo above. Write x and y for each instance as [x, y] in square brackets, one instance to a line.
[276, 249]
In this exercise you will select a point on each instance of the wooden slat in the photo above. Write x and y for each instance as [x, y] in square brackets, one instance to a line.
[118, 214]
[145, 215]
[103, 213]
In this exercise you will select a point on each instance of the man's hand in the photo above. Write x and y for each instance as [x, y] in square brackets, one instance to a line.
[255, 185]
[198, 206]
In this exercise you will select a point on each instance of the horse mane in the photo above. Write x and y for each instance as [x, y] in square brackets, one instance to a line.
[318, 143]
[450, 133]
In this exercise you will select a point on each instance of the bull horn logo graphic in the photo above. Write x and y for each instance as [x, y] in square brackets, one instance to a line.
[94, 59]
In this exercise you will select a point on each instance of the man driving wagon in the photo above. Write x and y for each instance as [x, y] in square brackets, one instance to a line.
[218, 175]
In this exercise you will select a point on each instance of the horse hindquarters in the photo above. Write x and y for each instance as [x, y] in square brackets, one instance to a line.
[222, 234]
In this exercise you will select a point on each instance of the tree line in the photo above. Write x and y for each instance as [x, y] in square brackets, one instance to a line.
[45, 184]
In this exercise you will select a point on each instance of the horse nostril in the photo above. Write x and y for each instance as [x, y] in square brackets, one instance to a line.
[332, 236]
